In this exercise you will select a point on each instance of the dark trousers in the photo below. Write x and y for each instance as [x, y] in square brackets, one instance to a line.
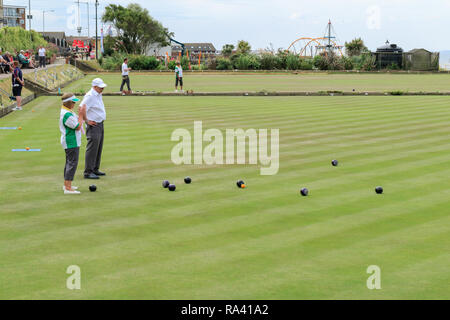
[70, 168]
[4, 68]
[42, 62]
[94, 135]
[125, 80]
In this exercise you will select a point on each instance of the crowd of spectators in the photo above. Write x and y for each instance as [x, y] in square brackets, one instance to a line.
[27, 59]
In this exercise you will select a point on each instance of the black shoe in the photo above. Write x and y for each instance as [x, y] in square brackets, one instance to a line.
[99, 173]
[91, 176]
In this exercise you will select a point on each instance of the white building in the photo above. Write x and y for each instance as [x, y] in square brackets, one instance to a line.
[158, 51]
[12, 16]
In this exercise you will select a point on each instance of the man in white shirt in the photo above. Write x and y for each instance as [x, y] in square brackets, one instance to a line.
[125, 77]
[93, 112]
[42, 58]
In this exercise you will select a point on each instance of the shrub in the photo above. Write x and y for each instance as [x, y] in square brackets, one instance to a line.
[306, 64]
[112, 63]
[16, 38]
[247, 62]
[185, 63]
[143, 62]
[137, 63]
[293, 62]
[393, 66]
[365, 62]
[224, 64]
[269, 61]
[282, 59]
[108, 63]
[198, 67]
[51, 49]
[320, 63]
[172, 64]
[347, 63]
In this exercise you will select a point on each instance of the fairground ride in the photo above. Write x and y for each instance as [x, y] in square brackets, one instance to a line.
[311, 47]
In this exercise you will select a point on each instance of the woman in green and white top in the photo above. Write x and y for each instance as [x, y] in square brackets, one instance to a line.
[179, 77]
[70, 126]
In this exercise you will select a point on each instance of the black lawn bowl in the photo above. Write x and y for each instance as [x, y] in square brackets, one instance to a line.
[172, 187]
[304, 192]
[335, 163]
[379, 190]
[165, 184]
[240, 183]
[93, 188]
[187, 180]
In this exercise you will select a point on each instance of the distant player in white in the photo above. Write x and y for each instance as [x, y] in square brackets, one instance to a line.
[179, 77]
[42, 58]
[125, 77]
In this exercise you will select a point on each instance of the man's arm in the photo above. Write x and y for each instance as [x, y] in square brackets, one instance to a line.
[82, 112]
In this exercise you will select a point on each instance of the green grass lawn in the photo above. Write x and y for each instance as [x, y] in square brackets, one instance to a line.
[273, 82]
[133, 239]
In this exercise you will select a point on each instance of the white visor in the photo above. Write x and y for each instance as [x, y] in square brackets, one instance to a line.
[72, 98]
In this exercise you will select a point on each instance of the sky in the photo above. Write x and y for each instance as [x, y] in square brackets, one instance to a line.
[264, 23]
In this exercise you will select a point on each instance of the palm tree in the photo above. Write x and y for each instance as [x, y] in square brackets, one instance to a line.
[227, 50]
[355, 48]
[243, 47]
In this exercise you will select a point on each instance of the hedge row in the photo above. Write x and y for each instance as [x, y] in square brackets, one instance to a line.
[266, 61]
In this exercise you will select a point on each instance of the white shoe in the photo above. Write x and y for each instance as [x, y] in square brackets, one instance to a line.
[74, 188]
[17, 108]
[71, 192]
[176, 91]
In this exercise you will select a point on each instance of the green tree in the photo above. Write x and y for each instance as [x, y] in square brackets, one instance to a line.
[135, 28]
[355, 47]
[243, 47]
[227, 50]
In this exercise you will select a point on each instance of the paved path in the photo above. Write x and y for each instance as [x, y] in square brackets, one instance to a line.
[27, 71]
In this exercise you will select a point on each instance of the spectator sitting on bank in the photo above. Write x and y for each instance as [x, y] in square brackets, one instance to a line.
[31, 57]
[24, 61]
[4, 65]
[9, 59]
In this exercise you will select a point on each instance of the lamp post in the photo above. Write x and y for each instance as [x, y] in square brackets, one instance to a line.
[87, 4]
[29, 15]
[43, 20]
[96, 30]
